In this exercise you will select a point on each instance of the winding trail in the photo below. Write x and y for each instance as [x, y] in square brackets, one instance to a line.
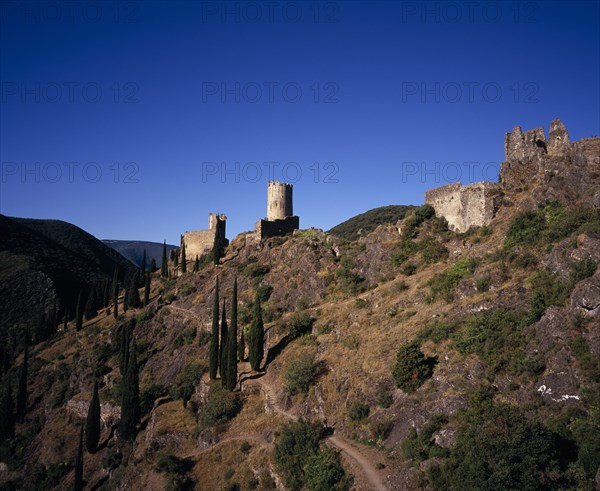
[371, 474]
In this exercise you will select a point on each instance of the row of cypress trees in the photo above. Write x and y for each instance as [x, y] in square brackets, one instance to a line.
[225, 349]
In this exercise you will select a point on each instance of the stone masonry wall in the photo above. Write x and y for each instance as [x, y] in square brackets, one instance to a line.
[465, 206]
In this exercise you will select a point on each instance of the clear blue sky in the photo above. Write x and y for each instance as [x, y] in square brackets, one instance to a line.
[385, 99]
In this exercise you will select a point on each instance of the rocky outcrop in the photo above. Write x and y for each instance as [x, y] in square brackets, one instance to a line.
[585, 299]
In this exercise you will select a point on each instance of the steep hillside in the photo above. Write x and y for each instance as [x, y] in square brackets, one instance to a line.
[365, 223]
[43, 262]
[134, 250]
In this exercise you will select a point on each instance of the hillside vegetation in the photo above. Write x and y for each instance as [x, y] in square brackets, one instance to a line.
[366, 222]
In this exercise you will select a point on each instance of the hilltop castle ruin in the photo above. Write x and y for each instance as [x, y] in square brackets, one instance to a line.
[200, 242]
[280, 212]
[546, 169]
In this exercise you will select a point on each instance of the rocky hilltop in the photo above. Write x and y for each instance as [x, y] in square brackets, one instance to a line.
[425, 357]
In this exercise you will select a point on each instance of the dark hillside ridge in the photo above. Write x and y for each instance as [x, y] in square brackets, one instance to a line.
[134, 250]
[368, 221]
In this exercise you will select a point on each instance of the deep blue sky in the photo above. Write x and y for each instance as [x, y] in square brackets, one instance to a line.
[393, 96]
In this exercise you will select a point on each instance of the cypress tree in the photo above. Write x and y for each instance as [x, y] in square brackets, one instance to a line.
[143, 265]
[79, 312]
[90, 305]
[183, 259]
[115, 290]
[52, 320]
[39, 334]
[214, 339]
[216, 250]
[78, 486]
[147, 288]
[124, 349]
[22, 391]
[197, 264]
[105, 295]
[153, 267]
[133, 296]
[126, 289]
[232, 348]
[164, 271]
[7, 417]
[92, 422]
[242, 346]
[256, 336]
[130, 399]
[223, 348]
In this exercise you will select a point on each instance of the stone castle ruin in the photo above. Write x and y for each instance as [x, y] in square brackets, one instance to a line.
[200, 242]
[280, 212]
[543, 169]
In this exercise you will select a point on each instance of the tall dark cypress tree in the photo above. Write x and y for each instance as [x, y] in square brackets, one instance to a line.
[133, 295]
[183, 258]
[148, 279]
[7, 417]
[214, 339]
[91, 309]
[124, 349]
[242, 346]
[115, 292]
[153, 267]
[197, 264]
[143, 265]
[105, 295]
[232, 348]
[78, 486]
[164, 267]
[256, 336]
[22, 391]
[79, 312]
[223, 348]
[216, 250]
[92, 422]
[130, 399]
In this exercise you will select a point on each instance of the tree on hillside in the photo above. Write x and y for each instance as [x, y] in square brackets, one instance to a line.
[79, 311]
[223, 348]
[217, 250]
[92, 423]
[231, 379]
[164, 267]
[91, 309]
[197, 264]
[153, 267]
[124, 349]
[183, 258]
[133, 296]
[214, 339]
[115, 291]
[105, 295]
[78, 485]
[411, 368]
[242, 346]
[148, 279]
[7, 417]
[143, 265]
[130, 397]
[22, 390]
[256, 336]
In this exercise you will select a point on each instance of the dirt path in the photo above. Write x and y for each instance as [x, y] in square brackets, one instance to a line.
[371, 474]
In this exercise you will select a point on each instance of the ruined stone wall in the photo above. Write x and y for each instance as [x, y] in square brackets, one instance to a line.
[276, 228]
[279, 200]
[465, 206]
[199, 242]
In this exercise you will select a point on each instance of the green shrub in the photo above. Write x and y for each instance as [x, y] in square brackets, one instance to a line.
[358, 411]
[149, 394]
[324, 472]
[432, 251]
[350, 281]
[300, 323]
[443, 284]
[420, 446]
[187, 381]
[361, 303]
[204, 338]
[245, 447]
[263, 292]
[411, 368]
[547, 290]
[415, 219]
[171, 464]
[384, 395]
[221, 405]
[580, 270]
[186, 289]
[408, 269]
[525, 228]
[300, 373]
[256, 270]
[483, 283]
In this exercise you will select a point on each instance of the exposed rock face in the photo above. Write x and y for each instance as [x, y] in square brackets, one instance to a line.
[565, 253]
[558, 140]
[585, 299]
[560, 381]
[109, 414]
[465, 206]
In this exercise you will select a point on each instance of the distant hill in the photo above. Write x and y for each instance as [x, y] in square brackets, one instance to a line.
[368, 221]
[134, 250]
[47, 261]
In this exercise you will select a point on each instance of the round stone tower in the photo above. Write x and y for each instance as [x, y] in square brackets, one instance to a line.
[279, 201]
